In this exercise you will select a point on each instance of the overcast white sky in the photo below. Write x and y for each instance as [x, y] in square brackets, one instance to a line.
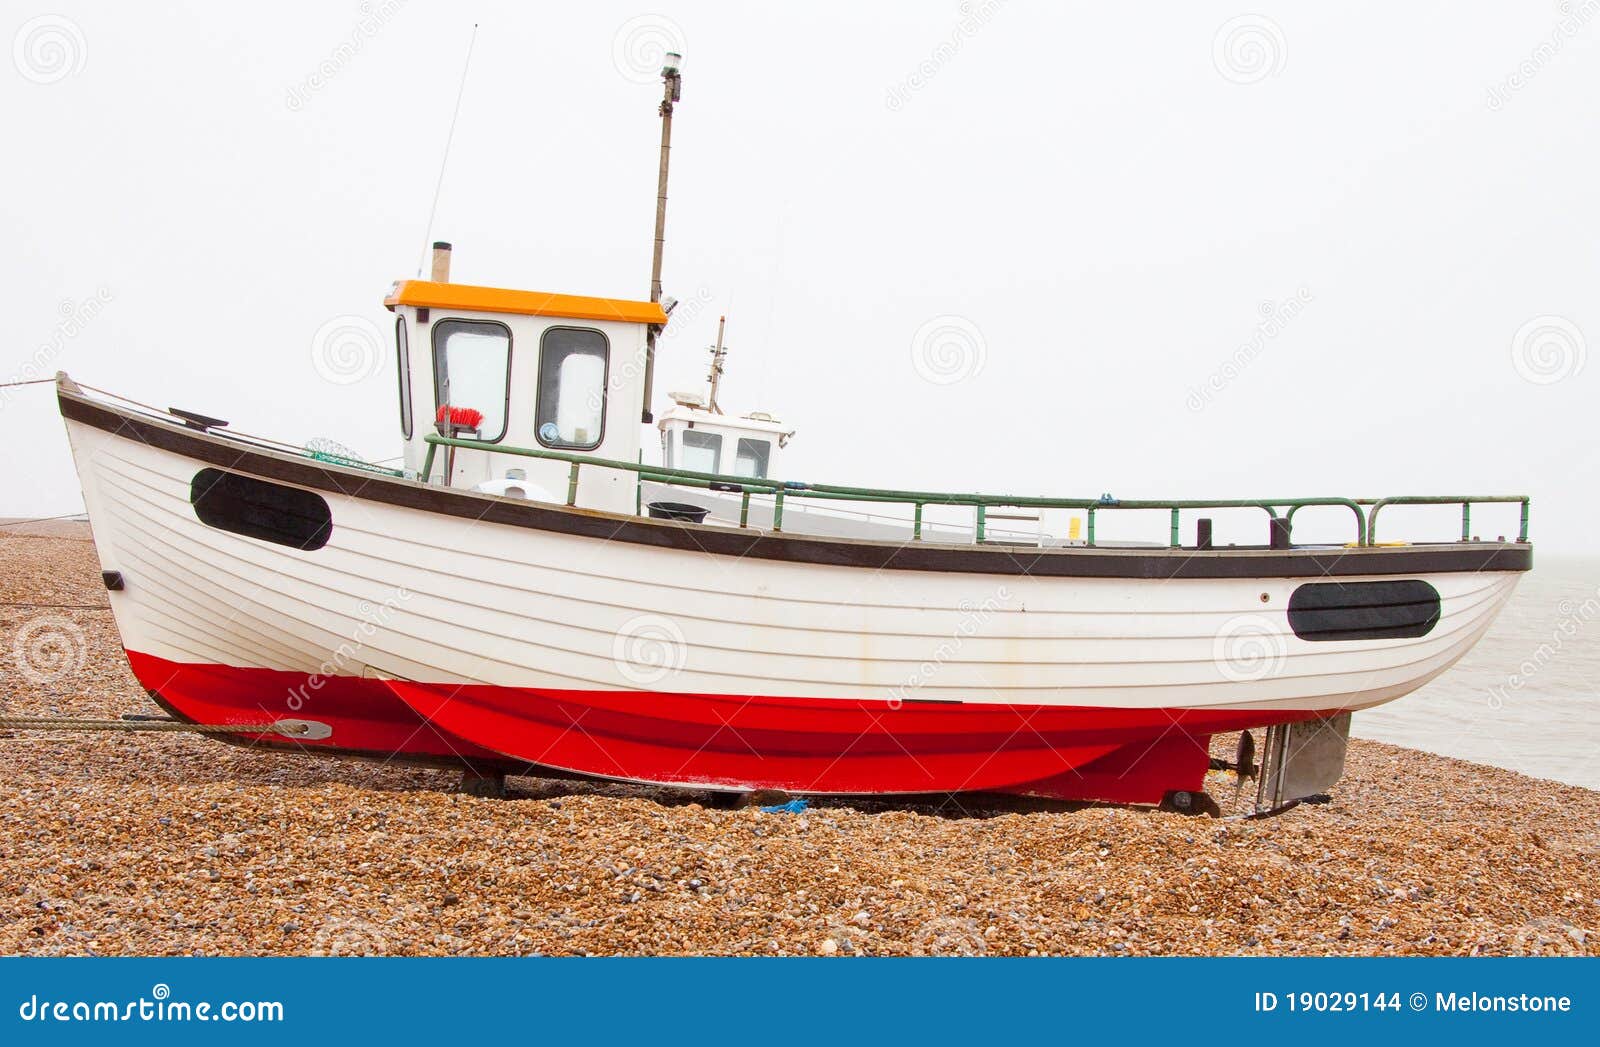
[1104, 201]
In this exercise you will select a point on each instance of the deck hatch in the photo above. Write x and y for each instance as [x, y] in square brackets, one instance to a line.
[259, 509]
[1386, 610]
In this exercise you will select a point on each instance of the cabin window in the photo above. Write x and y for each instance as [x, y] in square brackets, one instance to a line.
[258, 509]
[472, 368]
[750, 458]
[702, 451]
[571, 411]
[402, 356]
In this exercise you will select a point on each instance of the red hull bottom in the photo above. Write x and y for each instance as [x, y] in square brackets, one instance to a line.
[800, 745]
[850, 747]
[366, 717]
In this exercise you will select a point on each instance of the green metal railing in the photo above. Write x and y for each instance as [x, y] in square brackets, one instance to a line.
[1466, 503]
[1366, 520]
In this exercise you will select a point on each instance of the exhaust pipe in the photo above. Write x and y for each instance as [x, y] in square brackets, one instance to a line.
[441, 262]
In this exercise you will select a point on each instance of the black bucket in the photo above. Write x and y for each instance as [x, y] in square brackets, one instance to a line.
[678, 511]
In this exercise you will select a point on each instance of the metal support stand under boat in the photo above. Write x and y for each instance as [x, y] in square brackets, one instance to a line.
[672, 90]
[1182, 801]
[1301, 760]
[490, 785]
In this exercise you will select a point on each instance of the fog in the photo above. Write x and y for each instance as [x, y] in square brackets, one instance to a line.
[1165, 250]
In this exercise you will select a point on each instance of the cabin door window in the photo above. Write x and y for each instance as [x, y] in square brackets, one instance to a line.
[472, 368]
[571, 412]
[750, 458]
[402, 355]
[702, 451]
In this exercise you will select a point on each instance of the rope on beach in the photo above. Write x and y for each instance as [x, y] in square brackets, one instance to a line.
[58, 606]
[66, 723]
[31, 381]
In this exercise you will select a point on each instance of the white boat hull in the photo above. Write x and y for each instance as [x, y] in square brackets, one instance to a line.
[588, 644]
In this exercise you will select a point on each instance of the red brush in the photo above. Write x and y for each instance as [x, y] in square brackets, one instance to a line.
[460, 417]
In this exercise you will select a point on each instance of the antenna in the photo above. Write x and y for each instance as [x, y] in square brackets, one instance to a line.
[718, 353]
[427, 234]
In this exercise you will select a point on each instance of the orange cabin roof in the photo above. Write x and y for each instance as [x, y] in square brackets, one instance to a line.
[429, 295]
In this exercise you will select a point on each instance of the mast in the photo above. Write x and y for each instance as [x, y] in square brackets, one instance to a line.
[672, 88]
[718, 352]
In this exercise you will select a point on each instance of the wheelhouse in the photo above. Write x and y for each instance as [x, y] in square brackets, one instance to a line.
[696, 438]
[521, 369]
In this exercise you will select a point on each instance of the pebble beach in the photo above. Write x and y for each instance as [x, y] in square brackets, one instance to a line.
[175, 844]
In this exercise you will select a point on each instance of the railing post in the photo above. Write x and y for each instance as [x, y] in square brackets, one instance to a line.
[572, 485]
[427, 463]
[916, 524]
[1088, 529]
[1522, 536]
[1174, 528]
[777, 511]
[1466, 521]
[744, 510]
[982, 519]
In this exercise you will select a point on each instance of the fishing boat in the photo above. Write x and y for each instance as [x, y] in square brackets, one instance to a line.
[525, 594]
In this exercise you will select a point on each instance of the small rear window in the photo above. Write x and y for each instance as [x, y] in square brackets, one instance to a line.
[751, 457]
[702, 451]
[259, 509]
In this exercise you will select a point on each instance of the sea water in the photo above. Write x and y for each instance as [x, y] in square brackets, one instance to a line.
[1527, 697]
